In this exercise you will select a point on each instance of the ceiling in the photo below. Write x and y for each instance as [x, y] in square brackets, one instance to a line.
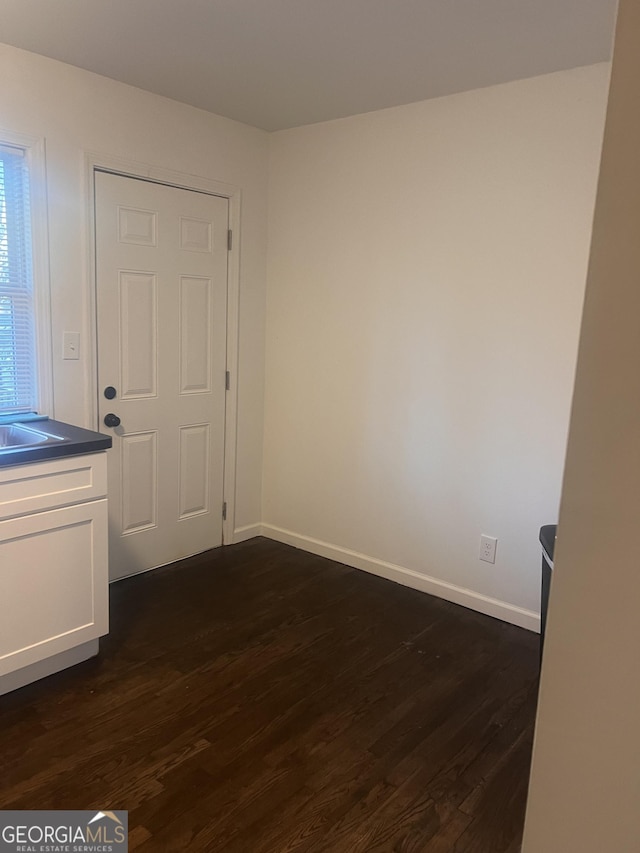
[283, 63]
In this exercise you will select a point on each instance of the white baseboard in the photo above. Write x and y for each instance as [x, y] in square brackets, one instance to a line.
[249, 531]
[424, 583]
[43, 668]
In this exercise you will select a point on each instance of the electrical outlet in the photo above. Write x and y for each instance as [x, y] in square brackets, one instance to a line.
[488, 548]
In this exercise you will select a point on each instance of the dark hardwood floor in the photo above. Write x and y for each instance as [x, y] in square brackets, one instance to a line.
[257, 699]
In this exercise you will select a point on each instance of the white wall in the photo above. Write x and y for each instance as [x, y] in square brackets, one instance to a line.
[76, 112]
[426, 271]
[585, 781]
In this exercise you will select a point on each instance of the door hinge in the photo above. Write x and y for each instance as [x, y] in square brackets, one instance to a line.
[224, 511]
[227, 380]
[229, 240]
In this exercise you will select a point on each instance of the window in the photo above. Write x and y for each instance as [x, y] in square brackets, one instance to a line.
[18, 353]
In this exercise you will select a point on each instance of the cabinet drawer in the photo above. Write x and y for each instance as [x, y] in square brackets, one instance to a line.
[53, 483]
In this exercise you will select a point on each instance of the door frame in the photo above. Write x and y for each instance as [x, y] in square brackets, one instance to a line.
[134, 169]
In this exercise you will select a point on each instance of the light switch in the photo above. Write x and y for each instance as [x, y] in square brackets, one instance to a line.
[71, 345]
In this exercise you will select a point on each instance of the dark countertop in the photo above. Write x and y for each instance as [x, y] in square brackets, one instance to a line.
[78, 441]
[548, 539]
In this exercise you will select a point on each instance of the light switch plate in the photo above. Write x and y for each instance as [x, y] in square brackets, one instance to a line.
[71, 345]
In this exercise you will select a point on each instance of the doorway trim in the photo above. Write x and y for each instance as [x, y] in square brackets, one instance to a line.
[95, 162]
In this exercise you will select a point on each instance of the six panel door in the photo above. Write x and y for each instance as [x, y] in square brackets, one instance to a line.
[161, 271]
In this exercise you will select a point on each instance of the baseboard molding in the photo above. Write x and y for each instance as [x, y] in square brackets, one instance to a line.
[43, 668]
[424, 583]
[249, 531]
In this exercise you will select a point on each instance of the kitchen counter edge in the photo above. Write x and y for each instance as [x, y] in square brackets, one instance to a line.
[79, 441]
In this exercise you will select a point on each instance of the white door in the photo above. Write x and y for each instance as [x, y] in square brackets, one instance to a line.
[161, 271]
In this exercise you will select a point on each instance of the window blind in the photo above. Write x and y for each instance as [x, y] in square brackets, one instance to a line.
[17, 348]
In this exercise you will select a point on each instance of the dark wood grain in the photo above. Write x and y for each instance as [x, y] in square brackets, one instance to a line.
[257, 699]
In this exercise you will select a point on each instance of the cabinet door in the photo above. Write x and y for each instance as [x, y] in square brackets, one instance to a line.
[53, 582]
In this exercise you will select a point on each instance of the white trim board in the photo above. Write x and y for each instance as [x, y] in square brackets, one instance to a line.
[44, 668]
[407, 577]
[249, 531]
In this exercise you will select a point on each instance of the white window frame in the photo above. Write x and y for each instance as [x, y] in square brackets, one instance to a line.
[34, 153]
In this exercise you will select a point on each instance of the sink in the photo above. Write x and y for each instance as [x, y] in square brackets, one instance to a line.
[18, 437]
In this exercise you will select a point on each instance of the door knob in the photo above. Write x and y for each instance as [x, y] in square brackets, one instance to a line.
[111, 420]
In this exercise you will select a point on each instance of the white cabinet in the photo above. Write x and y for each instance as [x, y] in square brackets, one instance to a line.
[53, 565]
